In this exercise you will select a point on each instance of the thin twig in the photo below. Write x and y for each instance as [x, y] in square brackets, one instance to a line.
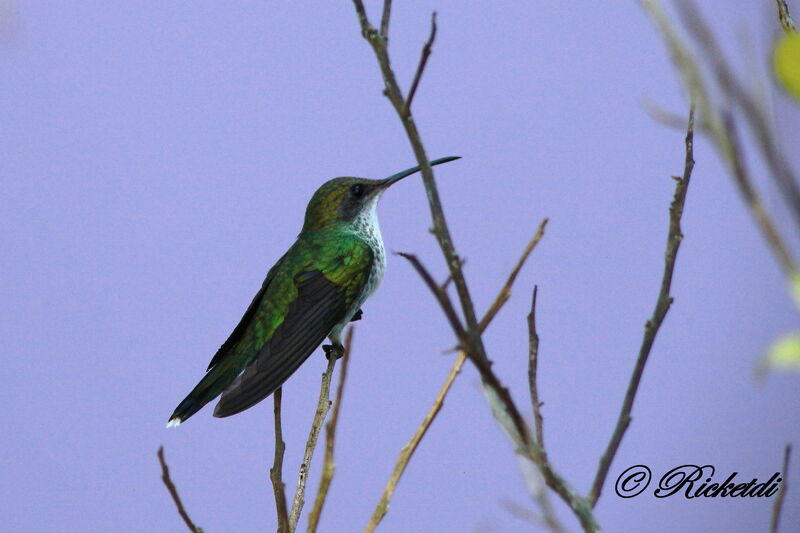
[323, 405]
[551, 477]
[328, 466]
[533, 364]
[423, 60]
[777, 505]
[407, 451]
[663, 303]
[783, 15]
[505, 292]
[387, 13]
[579, 505]
[173, 491]
[276, 472]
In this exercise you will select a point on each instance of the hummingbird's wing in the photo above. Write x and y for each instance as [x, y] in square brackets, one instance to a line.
[324, 297]
[240, 329]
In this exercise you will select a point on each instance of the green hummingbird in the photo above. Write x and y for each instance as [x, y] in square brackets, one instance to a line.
[312, 292]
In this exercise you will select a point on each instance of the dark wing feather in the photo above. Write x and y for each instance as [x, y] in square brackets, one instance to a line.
[319, 306]
[241, 327]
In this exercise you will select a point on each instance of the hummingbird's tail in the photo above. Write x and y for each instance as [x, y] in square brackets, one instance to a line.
[213, 383]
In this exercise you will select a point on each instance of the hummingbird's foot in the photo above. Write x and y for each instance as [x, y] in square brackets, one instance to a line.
[335, 350]
[357, 316]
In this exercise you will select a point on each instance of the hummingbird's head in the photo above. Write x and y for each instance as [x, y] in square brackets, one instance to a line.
[344, 201]
[341, 201]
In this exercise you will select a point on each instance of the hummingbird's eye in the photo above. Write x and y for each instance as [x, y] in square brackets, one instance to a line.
[357, 190]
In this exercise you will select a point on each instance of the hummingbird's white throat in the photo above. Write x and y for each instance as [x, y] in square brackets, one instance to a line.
[367, 227]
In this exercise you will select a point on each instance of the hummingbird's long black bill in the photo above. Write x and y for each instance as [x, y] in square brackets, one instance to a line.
[400, 175]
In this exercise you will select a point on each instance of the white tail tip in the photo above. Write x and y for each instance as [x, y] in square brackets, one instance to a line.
[174, 422]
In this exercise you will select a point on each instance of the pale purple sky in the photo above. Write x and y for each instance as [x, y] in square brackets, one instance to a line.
[156, 159]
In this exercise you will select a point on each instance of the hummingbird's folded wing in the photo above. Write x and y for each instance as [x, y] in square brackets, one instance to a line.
[246, 319]
[322, 302]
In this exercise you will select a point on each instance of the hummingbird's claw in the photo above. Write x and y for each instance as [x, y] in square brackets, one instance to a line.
[357, 315]
[335, 350]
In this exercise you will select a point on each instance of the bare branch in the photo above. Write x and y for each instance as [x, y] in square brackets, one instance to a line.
[408, 450]
[173, 491]
[783, 15]
[533, 364]
[423, 60]
[387, 13]
[505, 291]
[276, 472]
[330, 436]
[323, 405]
[777, 505]
[553, 480]
[663, 303]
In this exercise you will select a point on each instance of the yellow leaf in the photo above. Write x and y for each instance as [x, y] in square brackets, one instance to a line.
[784, 354]
[786, 58]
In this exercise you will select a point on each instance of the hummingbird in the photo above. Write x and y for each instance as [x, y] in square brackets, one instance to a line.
[312, 292]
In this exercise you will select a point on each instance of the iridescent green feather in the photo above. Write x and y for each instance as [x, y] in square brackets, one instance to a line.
[286, 321]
